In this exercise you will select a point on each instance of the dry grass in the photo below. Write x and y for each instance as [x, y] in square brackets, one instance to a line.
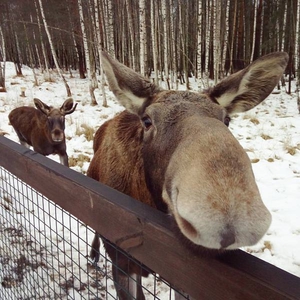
[254, 160]
[79, 160]
[86, 130]
[290, 148]
[266, 136]
[254, 120]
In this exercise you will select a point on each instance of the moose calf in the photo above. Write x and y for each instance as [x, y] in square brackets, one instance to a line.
[43, 128]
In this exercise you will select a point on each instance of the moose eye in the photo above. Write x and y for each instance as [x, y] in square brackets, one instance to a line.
[227, 120]
[147, 122]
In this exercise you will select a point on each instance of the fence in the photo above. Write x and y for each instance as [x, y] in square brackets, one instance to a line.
[46, 215]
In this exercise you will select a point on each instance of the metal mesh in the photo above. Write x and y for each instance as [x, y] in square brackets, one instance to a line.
[44, 251]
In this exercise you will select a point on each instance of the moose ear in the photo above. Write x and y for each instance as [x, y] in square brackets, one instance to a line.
[67, 107]
[40, 105]
[130, 88]
[247, 88]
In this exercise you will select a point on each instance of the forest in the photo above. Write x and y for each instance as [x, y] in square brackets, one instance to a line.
[170, 41]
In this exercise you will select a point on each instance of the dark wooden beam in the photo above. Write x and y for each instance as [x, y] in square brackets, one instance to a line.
[147, 233]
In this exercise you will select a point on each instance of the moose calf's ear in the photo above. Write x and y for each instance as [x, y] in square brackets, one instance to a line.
[130, 88]
[40, 105]
[67, 107]
[247, 88]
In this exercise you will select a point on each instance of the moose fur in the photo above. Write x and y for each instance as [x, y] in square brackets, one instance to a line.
[173, 151]
[43, 128]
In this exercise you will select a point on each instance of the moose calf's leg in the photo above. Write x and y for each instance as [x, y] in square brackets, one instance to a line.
[95, 249]
[64, 160]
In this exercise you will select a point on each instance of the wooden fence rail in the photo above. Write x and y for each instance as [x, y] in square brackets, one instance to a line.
[147, 233]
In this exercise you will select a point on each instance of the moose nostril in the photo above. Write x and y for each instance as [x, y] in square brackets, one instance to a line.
[227, 238]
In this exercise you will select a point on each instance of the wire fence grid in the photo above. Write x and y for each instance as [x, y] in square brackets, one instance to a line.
[44, 251]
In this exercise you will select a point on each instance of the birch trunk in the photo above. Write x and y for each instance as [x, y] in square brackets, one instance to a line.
[47, 75]
[232, 40]
[110, 28]
[226, 34]
[207, 37]
[2, 64]
[199, 44]
[99, 48]
[143, 38]
[165, 35]
[91, 74]
[217, 36]
[154, 41]
[132, 34]
[69, 94]
[297, 44]
[254, 30]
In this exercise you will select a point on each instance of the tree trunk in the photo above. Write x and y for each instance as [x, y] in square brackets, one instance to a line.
[99, 48]
[2, 64]
[143, 38]
[69, 94]
[165, 35]
[91, 75]
[154, 41]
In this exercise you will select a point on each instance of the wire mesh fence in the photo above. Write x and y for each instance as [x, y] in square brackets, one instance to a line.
[44, 251]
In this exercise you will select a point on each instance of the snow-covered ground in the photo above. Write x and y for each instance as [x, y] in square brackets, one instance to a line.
[270, 133]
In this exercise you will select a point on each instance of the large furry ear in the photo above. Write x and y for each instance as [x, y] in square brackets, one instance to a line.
[247, 88]
[67, 107]
[41, 106]
[130, 88]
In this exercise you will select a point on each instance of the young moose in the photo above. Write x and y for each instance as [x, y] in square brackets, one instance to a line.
[43, 128]
[173, 150]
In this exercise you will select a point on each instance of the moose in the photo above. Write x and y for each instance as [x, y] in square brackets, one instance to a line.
[43, 128]
[173, 150]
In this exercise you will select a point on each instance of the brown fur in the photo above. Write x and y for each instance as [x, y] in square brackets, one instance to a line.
[42, 128]
[172, 150]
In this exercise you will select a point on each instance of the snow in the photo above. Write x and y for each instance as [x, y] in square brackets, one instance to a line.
[270, 134]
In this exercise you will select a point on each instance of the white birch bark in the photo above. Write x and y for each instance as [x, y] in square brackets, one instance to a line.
[172, 46]
[232, 39]
[143, 40]
[110, 28]
[154, 40]
[47, 75]
[297, 43]
[226, 34]
[254, 30]
[91, 74]
[207, 37]
[2, 64]
[217, 37]
[69, 94]
[99, 48]
[199, 44]
[165, 39]
[132, 35]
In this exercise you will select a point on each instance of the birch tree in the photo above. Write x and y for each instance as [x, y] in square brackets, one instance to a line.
[154, 41]
[99, 48]
[110, 27]
[217, 37]
[69, 94]
[47, 75]
[3, 58]
[90, 72]
[143, 39]
[199, 42]
[297, 43]
[254, 30]
[165, 39]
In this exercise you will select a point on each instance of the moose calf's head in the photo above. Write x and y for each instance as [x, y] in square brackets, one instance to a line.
[191, 161]
[56, 117]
